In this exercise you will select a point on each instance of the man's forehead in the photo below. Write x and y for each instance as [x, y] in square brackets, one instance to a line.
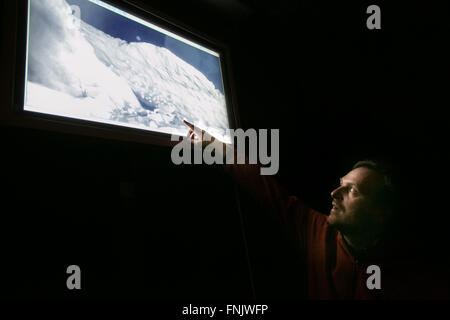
[364, 178]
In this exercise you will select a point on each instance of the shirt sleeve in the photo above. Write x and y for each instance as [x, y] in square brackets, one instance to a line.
[292, 213]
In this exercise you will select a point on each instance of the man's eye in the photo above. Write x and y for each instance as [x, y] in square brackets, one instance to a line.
[353, 190]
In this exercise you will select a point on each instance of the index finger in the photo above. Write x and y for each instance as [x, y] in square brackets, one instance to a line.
[190, 125]
[197, 131]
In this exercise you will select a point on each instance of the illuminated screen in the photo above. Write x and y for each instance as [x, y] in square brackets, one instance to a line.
[89, 60]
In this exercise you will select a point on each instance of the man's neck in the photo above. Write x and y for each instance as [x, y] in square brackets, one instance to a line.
[360, 244]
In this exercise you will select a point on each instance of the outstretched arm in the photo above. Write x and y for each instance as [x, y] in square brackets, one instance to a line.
[265, 189]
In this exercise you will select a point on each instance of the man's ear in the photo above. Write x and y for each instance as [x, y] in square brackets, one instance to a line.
[380, 214]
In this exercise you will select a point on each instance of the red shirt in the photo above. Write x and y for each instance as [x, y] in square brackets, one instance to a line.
[332, 271]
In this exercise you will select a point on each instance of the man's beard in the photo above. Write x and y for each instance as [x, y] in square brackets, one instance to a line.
[345, 224]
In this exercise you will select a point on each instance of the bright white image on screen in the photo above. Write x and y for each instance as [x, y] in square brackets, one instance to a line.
[122, 71]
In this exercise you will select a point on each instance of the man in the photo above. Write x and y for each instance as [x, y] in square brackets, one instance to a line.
[350, 254]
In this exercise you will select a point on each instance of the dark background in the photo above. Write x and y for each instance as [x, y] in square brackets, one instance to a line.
[139, 226]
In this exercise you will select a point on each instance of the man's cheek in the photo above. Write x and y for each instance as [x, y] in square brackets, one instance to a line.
[358, 206]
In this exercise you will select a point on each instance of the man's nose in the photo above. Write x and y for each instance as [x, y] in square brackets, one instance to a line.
[336, 193]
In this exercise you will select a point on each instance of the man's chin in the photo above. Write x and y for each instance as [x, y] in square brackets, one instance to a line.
[338, 222]
[333, 219]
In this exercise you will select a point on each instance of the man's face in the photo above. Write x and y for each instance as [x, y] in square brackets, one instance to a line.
[354, 206]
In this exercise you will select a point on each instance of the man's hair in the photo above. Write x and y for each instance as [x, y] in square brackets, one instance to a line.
[387, 195]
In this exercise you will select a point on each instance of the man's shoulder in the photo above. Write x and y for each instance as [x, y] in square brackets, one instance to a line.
[310, 220]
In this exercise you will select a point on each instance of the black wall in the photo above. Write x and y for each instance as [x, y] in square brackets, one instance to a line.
[140, 226]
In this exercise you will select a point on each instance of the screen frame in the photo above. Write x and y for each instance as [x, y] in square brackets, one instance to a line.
[18, 116]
